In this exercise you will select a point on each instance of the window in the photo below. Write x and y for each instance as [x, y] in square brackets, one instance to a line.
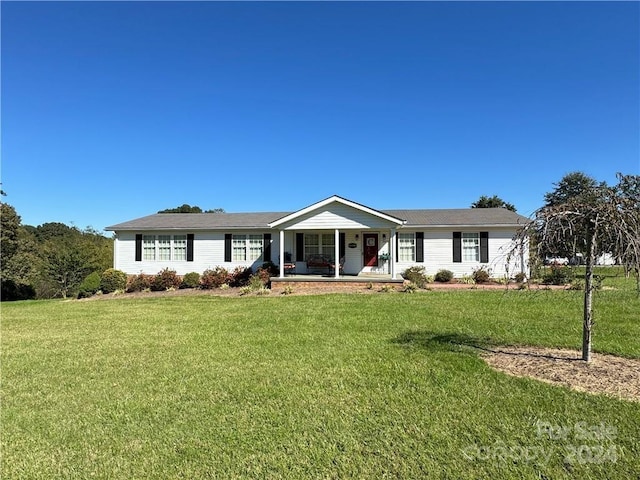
[328, 245]
[255, 247]
[149, 247]
[247, 247]
[320, 244]
[471, 247]
[164, 247]
[311, 244]
[180, 247]
[406, 247]
[239, 245]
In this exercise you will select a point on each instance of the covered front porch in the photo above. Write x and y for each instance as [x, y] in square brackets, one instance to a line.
[337, 238]
[337, 253]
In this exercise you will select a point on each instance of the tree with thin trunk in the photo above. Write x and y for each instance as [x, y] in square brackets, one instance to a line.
[598, 219]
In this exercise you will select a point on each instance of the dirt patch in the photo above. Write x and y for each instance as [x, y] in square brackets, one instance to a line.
[605, 374]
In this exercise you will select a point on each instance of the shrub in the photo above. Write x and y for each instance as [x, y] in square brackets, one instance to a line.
[214, 278]
[409, 287]
[90, 285]
[481, 275]
[416, 275]
[190, 280]
[240, 276]
[165, 280]
[271, 267]
[265, 276]
[113, 280]
[254, 284]
[444, 276]
[139, 283]
[558, 276]
[520, 277]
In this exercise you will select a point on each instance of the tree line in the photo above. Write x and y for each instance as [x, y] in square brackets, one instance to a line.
[49, 260]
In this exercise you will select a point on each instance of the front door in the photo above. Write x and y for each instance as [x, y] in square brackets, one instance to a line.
[370, 241]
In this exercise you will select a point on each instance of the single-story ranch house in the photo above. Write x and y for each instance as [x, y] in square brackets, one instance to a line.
[363, 240]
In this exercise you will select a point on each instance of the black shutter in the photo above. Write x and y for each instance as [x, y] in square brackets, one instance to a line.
[420, 247]
[138, 247]
[299, 247]
[267, 247]
[343, 244]
[484, 247]
[190, 237]
[457, 247]
[227, 247]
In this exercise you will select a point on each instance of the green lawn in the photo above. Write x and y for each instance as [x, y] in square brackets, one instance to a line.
[333, 386]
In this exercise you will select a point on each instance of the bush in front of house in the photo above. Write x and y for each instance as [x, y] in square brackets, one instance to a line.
[444, 276]
[272, 268]
[481, 275]
[416, 275]
[240, 276]
[256, 285]
[558, 276]
[90, 285]
[166, 280]
[139, 283]
[214, 278]
[265, 275]
[520, 277]
[190, 280]
[113, 281]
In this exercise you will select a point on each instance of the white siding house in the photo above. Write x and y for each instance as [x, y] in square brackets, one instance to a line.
[362, 239]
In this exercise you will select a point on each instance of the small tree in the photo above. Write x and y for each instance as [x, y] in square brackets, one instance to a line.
[599, 219]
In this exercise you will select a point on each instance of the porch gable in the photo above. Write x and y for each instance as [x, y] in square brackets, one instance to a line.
[336, 212]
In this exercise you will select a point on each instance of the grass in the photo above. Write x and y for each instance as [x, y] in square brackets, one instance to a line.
[333, 386]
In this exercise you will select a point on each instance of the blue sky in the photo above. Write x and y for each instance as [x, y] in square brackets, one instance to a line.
[115, 110]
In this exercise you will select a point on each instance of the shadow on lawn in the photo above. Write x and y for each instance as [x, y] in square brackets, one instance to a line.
[460, 342]
[437, 341]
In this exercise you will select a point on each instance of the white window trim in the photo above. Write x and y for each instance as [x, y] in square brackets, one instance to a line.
[156, 250]
[466, 238]
[247, 246]
[412, 246]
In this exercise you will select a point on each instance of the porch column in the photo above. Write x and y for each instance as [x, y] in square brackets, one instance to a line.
[281, 257]
[336, 254]
[392, 251]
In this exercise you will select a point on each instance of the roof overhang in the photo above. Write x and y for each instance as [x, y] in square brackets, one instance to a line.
[335, 199]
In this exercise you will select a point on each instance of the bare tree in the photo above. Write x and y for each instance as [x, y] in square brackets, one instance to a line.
[600, 220]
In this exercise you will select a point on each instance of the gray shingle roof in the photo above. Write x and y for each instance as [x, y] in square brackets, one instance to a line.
[459, 217]
[419, 218]
[199, 221]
